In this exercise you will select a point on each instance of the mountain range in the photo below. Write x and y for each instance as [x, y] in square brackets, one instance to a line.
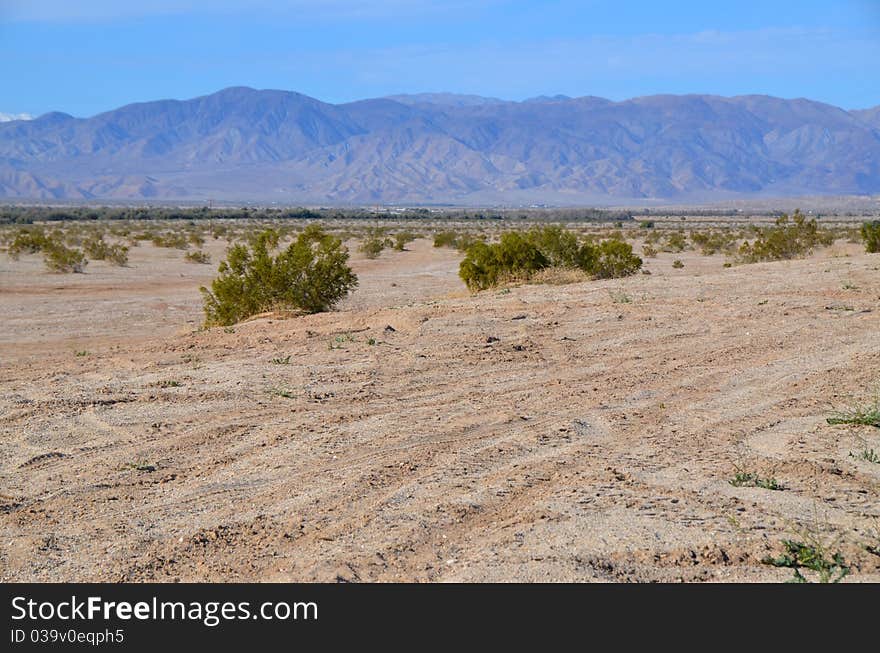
[268, 145]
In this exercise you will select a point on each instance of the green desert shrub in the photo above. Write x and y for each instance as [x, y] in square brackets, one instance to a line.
[446, 239]
[870, 233]
[465, 240]
[170, 240]
[459, 241]
[197, 257]
[117, 255]
[653, 237]
[519, 256]
[789, 238]
[60, 258]
[559, 246]
[267, 237]
[402, 238]
[711, 242]
[97, 249]
[56, 255]
[311, 275]
[515, 256]
[481, 267]
[676, 241]
[610, 259]
[374, 242]
[27, 241]
[372, 247]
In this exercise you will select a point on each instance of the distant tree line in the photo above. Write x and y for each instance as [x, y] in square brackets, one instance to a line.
[21, 214]
[31, 214]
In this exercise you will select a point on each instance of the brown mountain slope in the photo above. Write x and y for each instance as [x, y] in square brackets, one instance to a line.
[274, 145]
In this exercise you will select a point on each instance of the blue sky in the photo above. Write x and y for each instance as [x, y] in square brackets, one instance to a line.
[88, 56]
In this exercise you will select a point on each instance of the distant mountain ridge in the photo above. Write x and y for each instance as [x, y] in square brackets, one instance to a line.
[268, 145]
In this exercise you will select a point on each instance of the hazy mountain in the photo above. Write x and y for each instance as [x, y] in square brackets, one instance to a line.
[869, 116]
[281, 146]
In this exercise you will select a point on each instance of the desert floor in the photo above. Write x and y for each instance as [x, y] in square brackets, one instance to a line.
[594, 439]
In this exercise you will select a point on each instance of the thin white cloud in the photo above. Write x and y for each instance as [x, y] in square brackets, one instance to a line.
[8, 117]
[781, 61]
[109, 10]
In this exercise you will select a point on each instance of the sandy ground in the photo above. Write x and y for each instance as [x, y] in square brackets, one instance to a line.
[592, 440]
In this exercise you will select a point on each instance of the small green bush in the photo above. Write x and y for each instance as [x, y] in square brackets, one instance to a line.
[466, 240]
[712, 242]
[481, 267]
[97, 249]
[560, 247]
[612, 259]
[374, 242]
[57, 256]
[170, 240]
[118, 255]
[870, 233]
[60, 258]
[814, 557]
[311, 275]
[461, 242]
[675, 242]
[790, 238]
[653, 237]
[372, 247]
[265, 237]
[515, 256]
[402, 238]
[751, 479]
[27, 241]
[520, 255]
[446, 239]
[197, 257]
